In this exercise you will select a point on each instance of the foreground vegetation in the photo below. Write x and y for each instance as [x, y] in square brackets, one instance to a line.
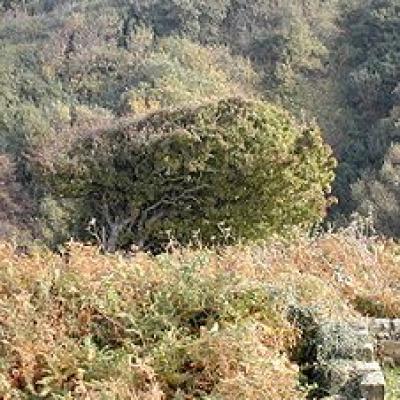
[210, 324]
[392, 382]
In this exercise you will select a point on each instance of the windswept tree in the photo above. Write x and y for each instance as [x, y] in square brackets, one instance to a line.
[246, 166]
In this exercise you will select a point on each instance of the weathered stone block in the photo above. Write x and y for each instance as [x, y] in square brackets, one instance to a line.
[367, 367]
[372, 386]
[341, 375]
[388, 362]
[396, 327]
[379, 325]
[390, 348]
[362, 333]
[360, 325]
[367, 352]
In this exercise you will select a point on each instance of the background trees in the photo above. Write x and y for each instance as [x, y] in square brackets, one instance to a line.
[378, 194]
[15, 208]
[180, 72]
[69, 65]
[369, 58]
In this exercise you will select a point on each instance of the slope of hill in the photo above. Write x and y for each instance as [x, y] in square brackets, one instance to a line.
[83, 63]
[210, 324]
[216, 323]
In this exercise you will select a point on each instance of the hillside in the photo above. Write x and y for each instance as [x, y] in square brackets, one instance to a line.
[84, 64]
[198, 199]
[190, 324]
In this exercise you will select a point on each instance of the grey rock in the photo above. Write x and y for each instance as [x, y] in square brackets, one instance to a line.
[372, 386]
[379, 325]
[396, 328]
[367, 352]
[391, 349]
[367, 367]
[388, 362]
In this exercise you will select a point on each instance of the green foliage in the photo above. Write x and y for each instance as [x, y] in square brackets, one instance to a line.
[194, 170]
[378, 194]
[375, 55]
[332, 61]
[369, 56]
[15, 207]
[180, 72]
[392, 380]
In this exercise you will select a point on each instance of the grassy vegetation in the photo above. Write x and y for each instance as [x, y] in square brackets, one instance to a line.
[393, 384]
[114, 129]
[204, 324]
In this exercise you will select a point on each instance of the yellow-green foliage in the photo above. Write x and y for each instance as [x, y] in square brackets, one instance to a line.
[180, 72]
[245, 165]
[392, 382]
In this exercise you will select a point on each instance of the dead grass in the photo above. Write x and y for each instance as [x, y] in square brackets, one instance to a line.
[192, 324]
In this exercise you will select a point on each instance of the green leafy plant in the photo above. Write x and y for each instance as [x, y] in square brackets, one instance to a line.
[234, 166]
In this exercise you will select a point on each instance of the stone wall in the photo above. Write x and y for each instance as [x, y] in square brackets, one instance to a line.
[387, 334]
[380, 346]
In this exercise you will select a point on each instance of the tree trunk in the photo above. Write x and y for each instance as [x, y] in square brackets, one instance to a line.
[110, 243]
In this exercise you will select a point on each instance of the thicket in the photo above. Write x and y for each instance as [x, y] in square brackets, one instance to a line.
[80, 63]
[224, 171]
[77, 65]
[211, 324]
[95, 92]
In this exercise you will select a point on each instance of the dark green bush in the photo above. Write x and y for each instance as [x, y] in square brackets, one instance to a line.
[235, 168]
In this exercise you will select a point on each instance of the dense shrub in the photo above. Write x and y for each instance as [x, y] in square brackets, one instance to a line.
[333, 60]
[179, 72]
[234, 165]
[377, 194]
[16, 209]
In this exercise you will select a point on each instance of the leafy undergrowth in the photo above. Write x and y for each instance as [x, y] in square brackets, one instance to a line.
[392, 377]
[194, 324]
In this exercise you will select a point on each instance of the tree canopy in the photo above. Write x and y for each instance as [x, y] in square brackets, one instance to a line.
[240, 165]
[73, 66]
